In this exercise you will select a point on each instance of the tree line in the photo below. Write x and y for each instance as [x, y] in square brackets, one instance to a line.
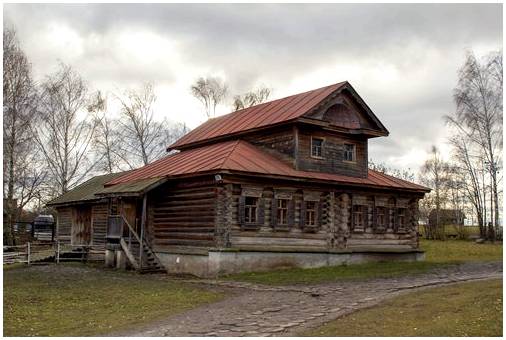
[58, 132]
[469, 180]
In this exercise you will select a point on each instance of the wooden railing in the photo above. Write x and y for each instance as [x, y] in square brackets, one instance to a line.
[127, 244]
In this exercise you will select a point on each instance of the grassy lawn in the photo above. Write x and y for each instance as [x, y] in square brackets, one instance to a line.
[466, 309]
[460, 251]
[78, 300]
[438, 253]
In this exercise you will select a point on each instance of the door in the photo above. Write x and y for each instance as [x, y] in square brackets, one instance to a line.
[81, 225]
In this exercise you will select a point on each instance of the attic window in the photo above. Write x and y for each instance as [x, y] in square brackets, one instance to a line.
[316, 147]
[349, 152]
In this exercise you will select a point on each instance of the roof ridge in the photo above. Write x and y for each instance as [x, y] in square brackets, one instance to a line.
[237, 141]
[220, 126]
[274, 100]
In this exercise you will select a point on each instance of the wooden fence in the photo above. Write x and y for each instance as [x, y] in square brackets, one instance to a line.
[30, 253]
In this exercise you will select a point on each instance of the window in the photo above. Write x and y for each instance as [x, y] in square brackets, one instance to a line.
[358, 216]
[401, 220]
[250, 209]
[316, 147]
[282, 211]
[380, 217]
[349, 152]
[311, 213]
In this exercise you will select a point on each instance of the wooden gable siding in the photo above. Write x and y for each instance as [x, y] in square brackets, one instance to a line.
[99, 223]
[279, 142]
[182, 215]
[64, 224]
[333, 152]
[344, 111]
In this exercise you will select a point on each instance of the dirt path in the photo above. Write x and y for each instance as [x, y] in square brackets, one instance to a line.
[256, 310]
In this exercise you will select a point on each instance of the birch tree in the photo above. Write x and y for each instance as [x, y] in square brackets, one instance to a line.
[143, 138]
[479, 111]
[252, 98]
[22, 173]
[434, 174]
[65, 133]
[106, 141]
[210, 92]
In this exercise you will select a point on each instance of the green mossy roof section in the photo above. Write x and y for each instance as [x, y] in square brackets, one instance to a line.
[85, 191]
[134, 187]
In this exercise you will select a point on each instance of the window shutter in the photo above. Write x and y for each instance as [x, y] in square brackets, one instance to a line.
[408, 218]
[242, 203]
[394, 216]
[374, 223]
[320, 213]
[302, 218]
[274, 212]
[261, 211]
[291, 213]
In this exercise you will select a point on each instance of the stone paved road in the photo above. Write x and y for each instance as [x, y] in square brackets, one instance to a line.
[257, 310]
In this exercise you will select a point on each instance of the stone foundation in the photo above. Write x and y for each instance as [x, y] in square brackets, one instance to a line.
[220, 262]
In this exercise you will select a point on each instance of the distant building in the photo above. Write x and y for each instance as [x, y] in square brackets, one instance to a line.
[447, 216]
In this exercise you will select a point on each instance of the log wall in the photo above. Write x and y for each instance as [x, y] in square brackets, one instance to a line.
[333, 153]
[335, 228]
[182, 215]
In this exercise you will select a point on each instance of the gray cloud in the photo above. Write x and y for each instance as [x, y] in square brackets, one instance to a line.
[401, 58]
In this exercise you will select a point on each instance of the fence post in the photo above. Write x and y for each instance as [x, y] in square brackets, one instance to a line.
[58, 252]
[28, 252]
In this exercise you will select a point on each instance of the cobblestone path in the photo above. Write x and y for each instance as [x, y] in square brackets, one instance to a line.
[257, 310]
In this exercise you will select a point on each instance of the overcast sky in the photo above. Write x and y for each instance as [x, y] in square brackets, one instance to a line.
[402, 59]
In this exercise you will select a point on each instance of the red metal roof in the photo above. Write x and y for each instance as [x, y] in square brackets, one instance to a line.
[240, 156]
[270, 113]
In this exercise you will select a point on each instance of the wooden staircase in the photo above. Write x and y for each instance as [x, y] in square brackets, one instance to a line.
[139, 253]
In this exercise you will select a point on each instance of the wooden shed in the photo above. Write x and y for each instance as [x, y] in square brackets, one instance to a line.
[284, 183]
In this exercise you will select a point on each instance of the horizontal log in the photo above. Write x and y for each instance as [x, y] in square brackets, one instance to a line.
[202, 215]
[187, 219]
[183, 224]
[179, 205]
[192, 195]
[179, 213]
[185, 236]
[269, 241]
[184, 229]
[351, 241]
[196, 243]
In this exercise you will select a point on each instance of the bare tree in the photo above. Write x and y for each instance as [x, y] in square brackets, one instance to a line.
[405, 174]
[434, 173]
[143, 139]
[210, 92]
[479, 112]
[106, 142]
[63, 136]
[468, 165]
[22, 174]
[252, 98]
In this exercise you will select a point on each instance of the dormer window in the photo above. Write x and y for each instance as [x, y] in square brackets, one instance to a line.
[316, 147]
[349, 152]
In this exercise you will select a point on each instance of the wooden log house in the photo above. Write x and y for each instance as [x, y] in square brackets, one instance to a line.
[283, 183]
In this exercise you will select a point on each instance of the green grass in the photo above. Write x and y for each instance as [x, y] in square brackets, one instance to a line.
[466, 309]
[438, 254]
[77, 300]
[460, 251]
